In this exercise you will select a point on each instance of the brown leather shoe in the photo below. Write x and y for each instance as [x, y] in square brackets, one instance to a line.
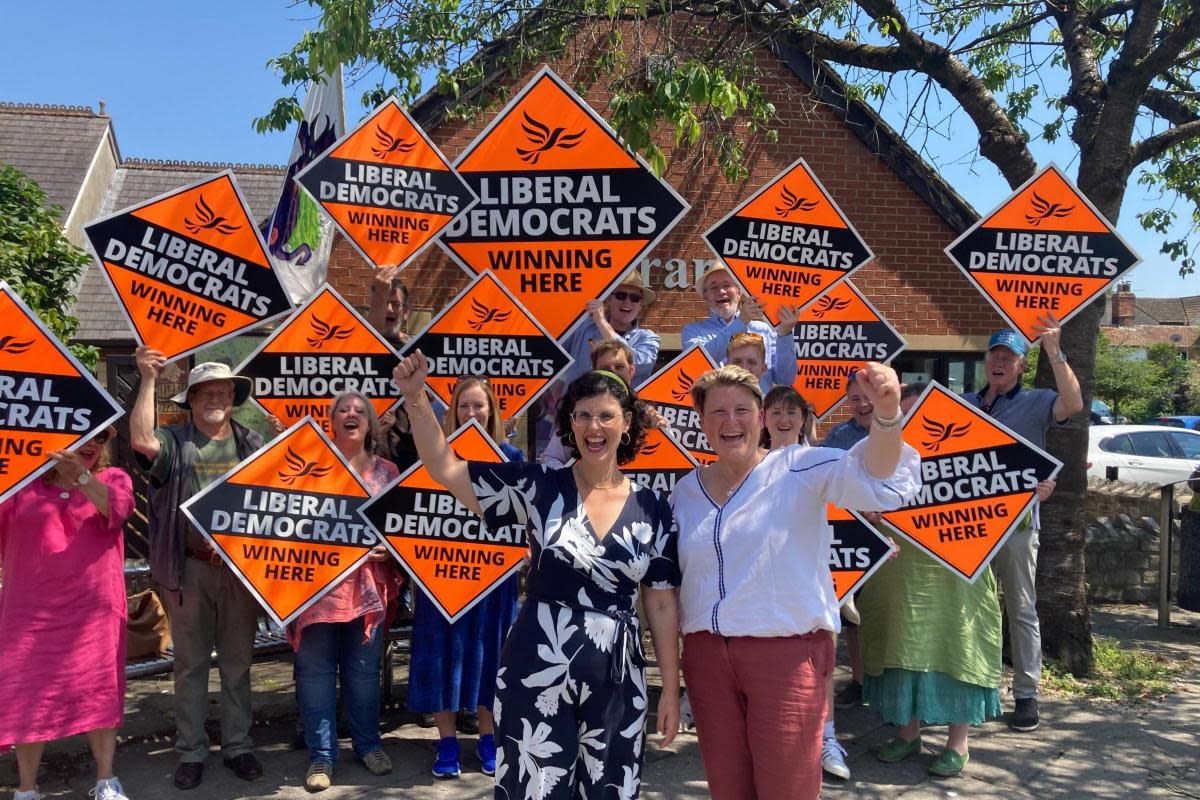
[245, 766]
[188, 775]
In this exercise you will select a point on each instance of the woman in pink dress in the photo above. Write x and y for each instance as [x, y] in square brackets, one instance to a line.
[62, 612]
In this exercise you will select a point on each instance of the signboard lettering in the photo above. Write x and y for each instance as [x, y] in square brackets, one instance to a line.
[564, 209]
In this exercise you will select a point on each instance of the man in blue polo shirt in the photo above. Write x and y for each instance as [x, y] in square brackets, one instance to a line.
[615, 317]
[1029, 412]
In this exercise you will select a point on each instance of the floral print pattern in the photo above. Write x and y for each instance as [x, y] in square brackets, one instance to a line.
[571, 693]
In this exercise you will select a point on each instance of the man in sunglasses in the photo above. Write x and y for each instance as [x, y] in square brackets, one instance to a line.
[206, 604]
[615, 317]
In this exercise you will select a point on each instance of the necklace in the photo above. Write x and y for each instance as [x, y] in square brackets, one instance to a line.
[592, 486]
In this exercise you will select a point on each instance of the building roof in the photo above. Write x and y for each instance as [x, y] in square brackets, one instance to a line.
[1160, 310]
[1181, 336]
[54, 145]
[138, 180]
[880, 138]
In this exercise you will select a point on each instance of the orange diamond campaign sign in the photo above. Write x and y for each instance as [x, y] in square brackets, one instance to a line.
[189, 267]
[789, 242]
[48, 400]
[564, 208]
[486, 332]
[660, 463]
[1044, 249]
[669, 391]
[285, 520]
[387, 186]
[447, 549]
[837, 333]
[856, 552]
[978, 482]
[325, 348]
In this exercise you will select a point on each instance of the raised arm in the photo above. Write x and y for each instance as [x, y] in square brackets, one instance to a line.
[783, 371]
[443, 466]
[885, 440]
[144, 418]
[1070, 398]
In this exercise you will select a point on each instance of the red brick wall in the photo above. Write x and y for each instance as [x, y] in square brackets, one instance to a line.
[911, 281]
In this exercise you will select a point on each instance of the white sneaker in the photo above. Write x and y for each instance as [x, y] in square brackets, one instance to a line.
[833, 758]
[108, 789]
[31, 794]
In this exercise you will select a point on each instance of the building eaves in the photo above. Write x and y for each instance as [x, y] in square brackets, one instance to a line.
[431, 108]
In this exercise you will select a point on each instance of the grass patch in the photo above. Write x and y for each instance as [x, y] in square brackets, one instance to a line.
[1127, 676]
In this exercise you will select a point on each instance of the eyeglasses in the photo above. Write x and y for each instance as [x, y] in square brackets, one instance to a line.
[584, 419]
[719, 288]
[626, 296]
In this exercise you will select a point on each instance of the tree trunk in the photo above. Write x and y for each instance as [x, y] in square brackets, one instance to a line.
[1062, 569]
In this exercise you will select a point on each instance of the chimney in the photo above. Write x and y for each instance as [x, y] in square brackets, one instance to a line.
[1123, 305]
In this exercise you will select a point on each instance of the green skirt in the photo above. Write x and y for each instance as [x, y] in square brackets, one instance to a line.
[900, 695]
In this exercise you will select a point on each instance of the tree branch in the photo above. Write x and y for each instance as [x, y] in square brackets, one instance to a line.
[1000, 141]
[1007, 29]
[1167, 106]
[1147, 149]
[1164, 53]
[852, 54]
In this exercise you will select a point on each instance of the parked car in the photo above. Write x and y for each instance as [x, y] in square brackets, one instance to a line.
[1101, 413]
[1176, 422]
[1143, 453]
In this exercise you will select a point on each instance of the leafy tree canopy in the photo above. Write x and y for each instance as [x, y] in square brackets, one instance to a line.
[1116, 78]
[37, 260]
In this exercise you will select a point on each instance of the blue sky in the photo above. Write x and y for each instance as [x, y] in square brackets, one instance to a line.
[184, 81]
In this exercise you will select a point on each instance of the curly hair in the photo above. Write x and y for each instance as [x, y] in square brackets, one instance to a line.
[593, 384]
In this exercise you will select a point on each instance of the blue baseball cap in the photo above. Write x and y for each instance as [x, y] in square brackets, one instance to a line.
[1011, 340]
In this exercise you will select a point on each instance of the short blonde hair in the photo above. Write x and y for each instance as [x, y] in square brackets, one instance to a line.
[745, 339]
[728, 375]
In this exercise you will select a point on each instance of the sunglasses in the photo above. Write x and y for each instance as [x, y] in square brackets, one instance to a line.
[102, 437]
[626, 296]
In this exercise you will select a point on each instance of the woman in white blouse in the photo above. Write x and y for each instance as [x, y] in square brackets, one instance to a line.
[758, 606]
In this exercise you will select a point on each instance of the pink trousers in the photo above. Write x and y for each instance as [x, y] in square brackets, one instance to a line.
[759, 706]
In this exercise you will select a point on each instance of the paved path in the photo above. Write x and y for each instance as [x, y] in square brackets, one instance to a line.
[1083, 749]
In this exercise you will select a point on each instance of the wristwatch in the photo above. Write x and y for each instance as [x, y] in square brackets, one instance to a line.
[83, 478]
[1061, 358]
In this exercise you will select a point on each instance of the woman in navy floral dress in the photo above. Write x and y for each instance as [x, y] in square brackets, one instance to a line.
[571, 696]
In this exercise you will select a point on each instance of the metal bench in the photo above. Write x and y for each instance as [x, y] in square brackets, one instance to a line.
[270, 639]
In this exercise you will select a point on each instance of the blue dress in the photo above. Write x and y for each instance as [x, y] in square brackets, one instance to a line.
[571, 693]
[454, 666]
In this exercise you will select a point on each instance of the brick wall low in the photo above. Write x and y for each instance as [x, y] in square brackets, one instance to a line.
[1123, 543]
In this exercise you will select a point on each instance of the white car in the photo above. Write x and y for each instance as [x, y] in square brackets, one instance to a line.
[1143, 453]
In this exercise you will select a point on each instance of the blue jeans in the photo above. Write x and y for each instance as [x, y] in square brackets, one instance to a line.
[325, 649]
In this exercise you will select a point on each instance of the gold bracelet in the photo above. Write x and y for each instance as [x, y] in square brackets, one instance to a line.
[887, 424]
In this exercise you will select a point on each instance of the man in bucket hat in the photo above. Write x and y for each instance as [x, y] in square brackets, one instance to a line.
[206, 604]
[1029, 412]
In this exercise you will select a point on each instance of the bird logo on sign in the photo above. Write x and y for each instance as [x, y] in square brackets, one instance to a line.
[544, 139]
[827, 304]
[207, 220]
[1046, 210]
[301, 469]
[650, 449]
[683, 387]
[791, 203]
[11, 346]
[481, 315]
[942, 433]
[324, 332]
[389, 144]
